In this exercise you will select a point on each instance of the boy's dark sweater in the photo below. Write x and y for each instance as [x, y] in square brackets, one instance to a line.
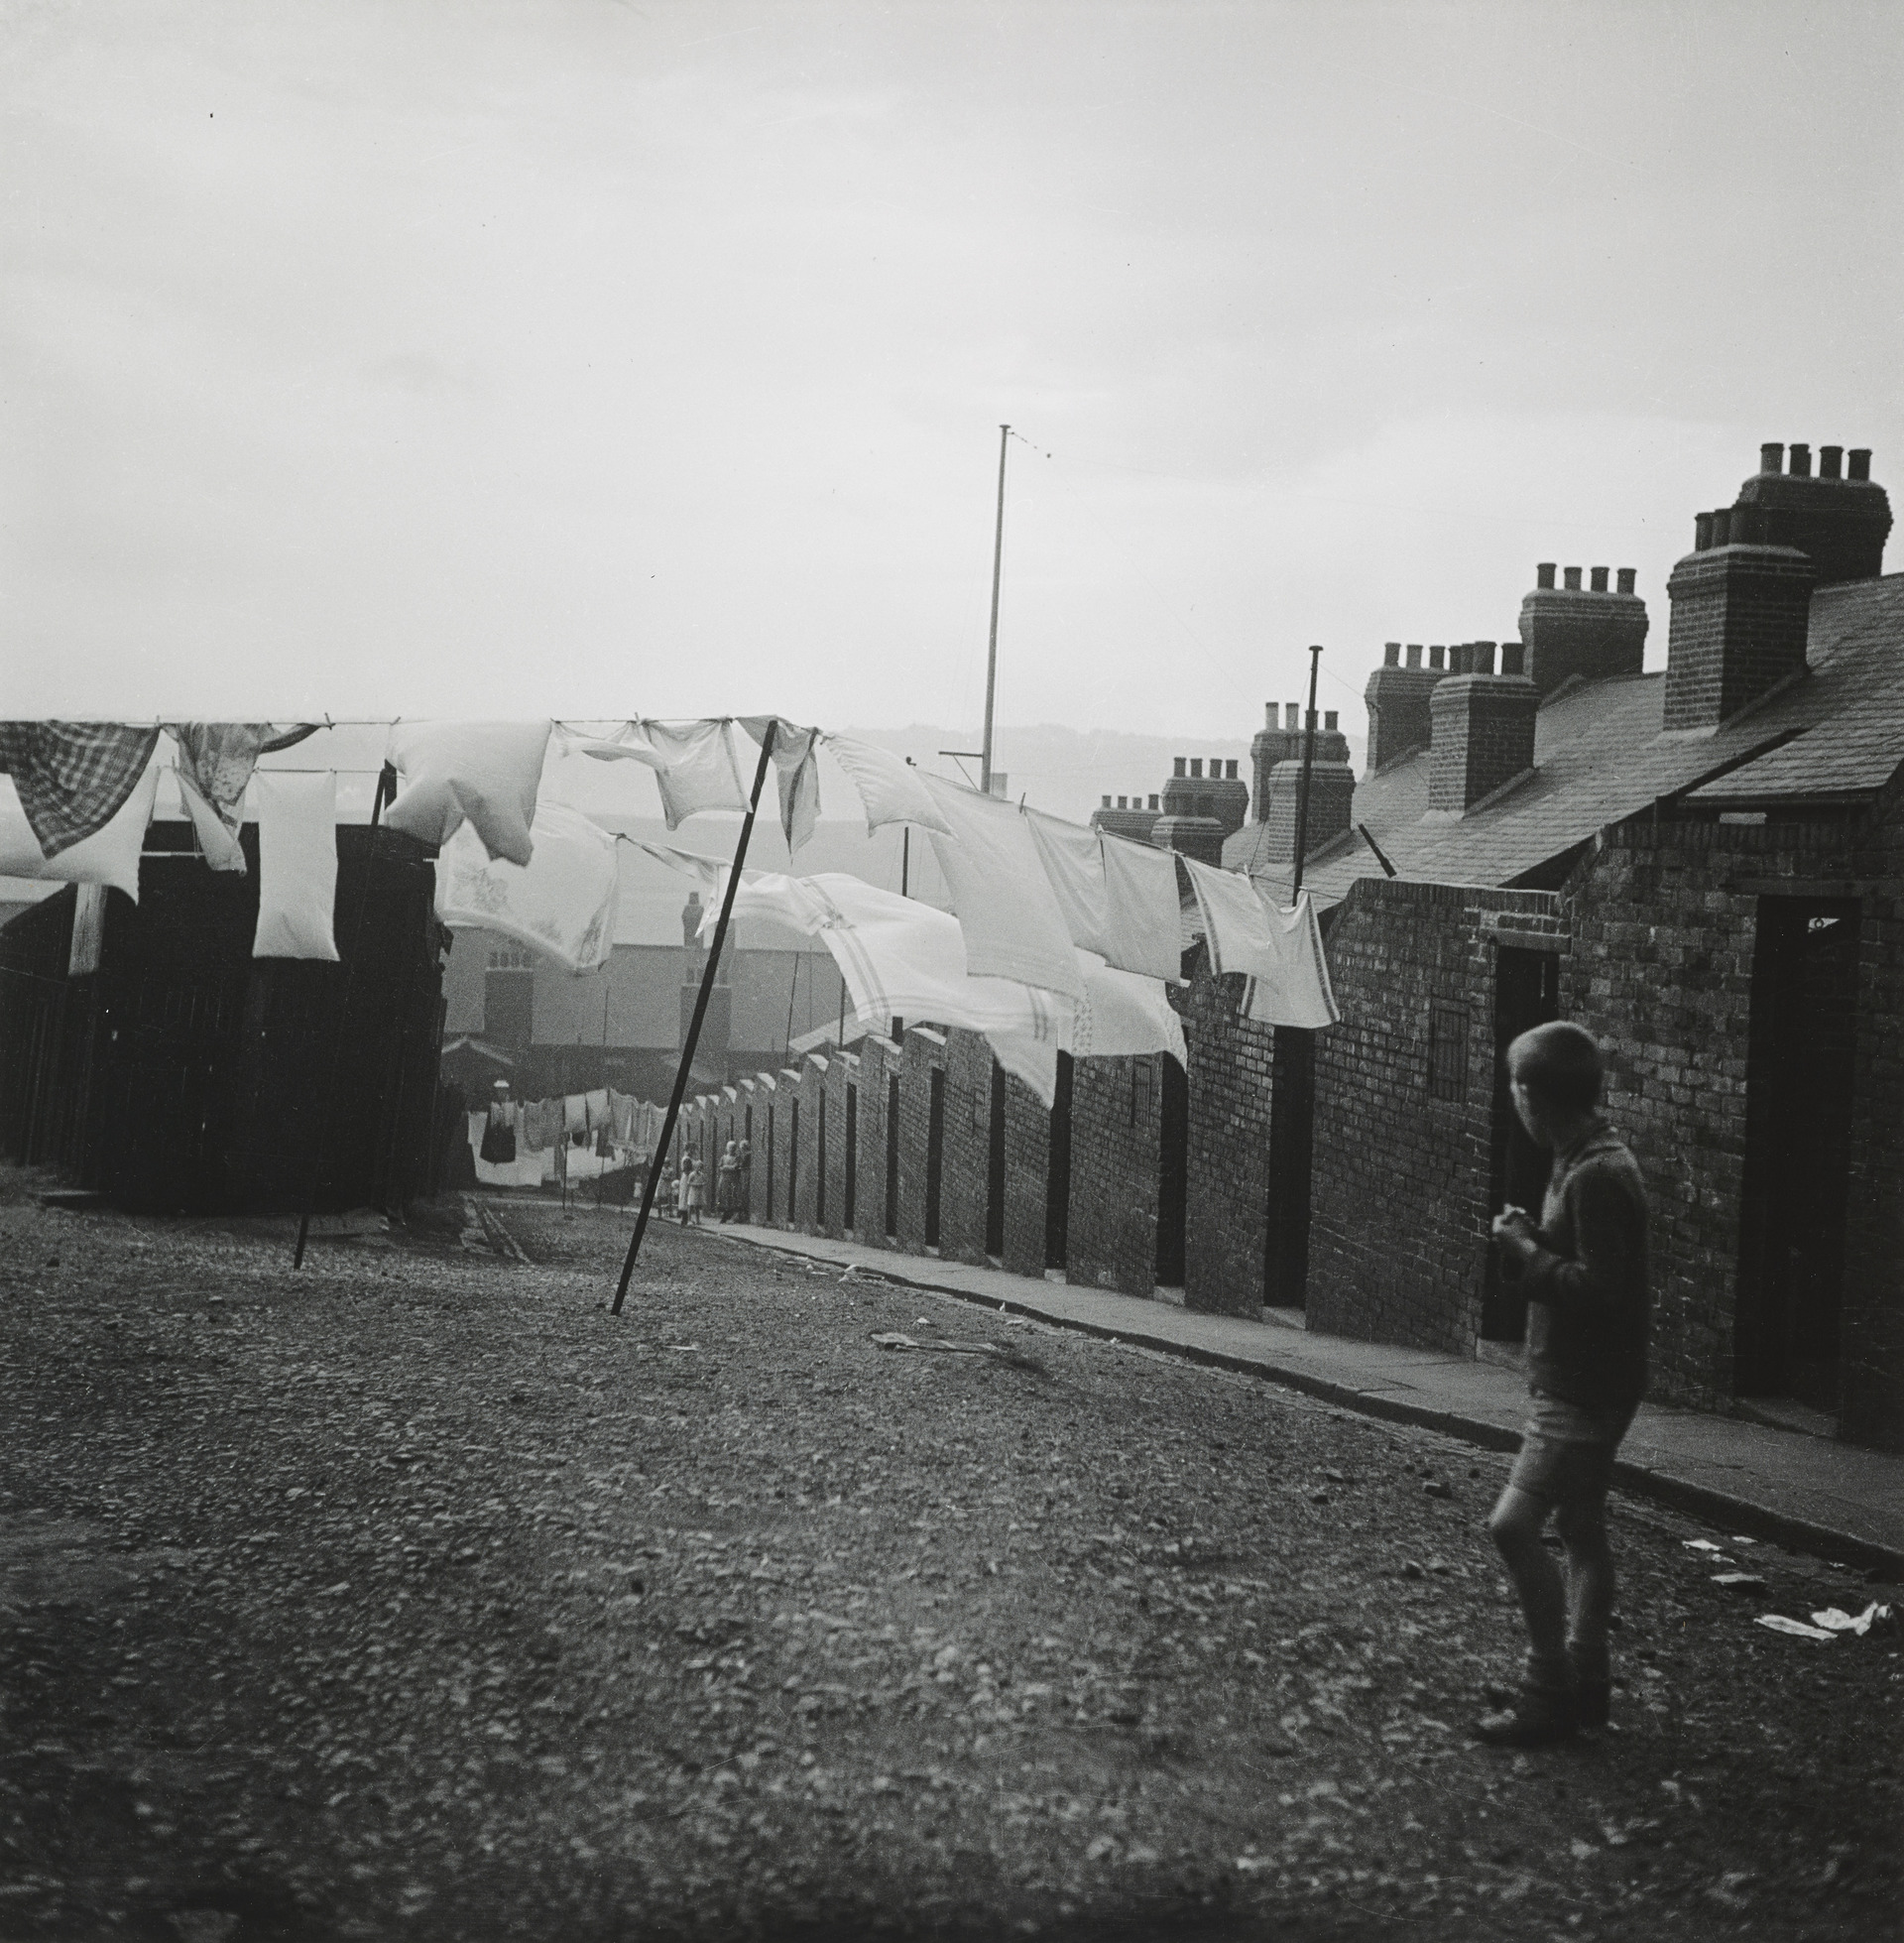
[1589, 1305]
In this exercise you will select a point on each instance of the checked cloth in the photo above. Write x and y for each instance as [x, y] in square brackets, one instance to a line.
[72, 778]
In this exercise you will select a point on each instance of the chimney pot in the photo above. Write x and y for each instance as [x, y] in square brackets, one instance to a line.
[1484, 658]
[1180, 766]
[1437, 657]
[1107, 802]
[1702, 532]
[1291, 717]
[1196, 767]
[1414, 654]
[1330, 718]
[1229, 770]
[1154, 802]
[1722, 526]
[1391, 654]
[1544, 574]
[1628, 576]
[1800, 462]
[1830, 461]
[1512, 657]
[1464, 657]
[1859, 461]
[1771, 458]
[1599, 579]
[1572, 577]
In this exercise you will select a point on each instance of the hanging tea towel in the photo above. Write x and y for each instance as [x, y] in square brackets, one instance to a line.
[297, 865]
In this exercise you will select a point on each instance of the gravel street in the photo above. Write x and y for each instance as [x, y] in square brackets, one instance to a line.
[414, 1595]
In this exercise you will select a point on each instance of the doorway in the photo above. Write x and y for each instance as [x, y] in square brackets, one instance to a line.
[994, 1167]
[1800, 1060]
[934, 1155]
[1292, 1134]
[819, 1169]
[851, 1158]
[1173, 1171]
[1057, 1174]
[1526, 995]
[893, 1157]
[792, 1163]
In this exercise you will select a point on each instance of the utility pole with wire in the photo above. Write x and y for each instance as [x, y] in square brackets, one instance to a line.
[1308, 764]
[992, 650]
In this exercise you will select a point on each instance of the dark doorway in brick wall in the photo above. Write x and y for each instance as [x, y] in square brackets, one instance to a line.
[849, 1187]
[1799, 1065]
[1057, 1179]
[768, 1216]
[748, 1136]
[934, 1155]
[819, 1169]
[893, 1157]
[1292, 1138]
[1526, 995]
[793, 1161]
[994, 1166]
[1173, 1171]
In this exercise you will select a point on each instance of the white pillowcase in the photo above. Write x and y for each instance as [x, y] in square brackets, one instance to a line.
[108, 856]
[296, 864]
[487, 772]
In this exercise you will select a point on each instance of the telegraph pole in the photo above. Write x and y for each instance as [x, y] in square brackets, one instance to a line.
[1308, 762]
[992, 650]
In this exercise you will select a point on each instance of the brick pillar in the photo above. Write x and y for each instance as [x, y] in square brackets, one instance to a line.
[1739, 620]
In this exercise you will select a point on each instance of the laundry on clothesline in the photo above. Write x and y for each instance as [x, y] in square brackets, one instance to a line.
[797, 775]
[891, 790]
[108, 857]
[485, 773]
[1279, 950]
[72, 779]
[1118, 899]
[561, 903]
[693, 764]
[1010, 914]
[215, 764]
[297, 865]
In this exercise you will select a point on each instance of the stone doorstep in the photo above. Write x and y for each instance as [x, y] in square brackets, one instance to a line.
[1784, 1510]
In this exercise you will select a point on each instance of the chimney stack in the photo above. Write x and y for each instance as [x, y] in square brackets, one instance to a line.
[1586, 632]
[1740, 615]
[1397, 702]
[1484, 735]
[1840, 520]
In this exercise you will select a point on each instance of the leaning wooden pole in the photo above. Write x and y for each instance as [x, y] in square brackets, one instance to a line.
[386, 777]
[694, 1023]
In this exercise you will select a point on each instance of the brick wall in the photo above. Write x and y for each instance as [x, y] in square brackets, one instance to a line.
[879, 1059]
[1401, 1183]
[968, 1128]
[1665, 921]
[1484, 736]
[1027, 1164]
[1229, 1113]
[1113, 1178]
[803, 1204]
[842, 1073]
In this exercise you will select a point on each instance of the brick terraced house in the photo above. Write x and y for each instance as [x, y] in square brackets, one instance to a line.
[1703, 865]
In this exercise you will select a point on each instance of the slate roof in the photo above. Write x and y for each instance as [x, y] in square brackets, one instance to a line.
[1599, 756]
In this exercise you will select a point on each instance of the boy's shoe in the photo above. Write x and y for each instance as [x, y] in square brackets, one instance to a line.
[1538, 1719]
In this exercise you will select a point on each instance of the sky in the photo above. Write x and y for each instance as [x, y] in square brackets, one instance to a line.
[590, 358]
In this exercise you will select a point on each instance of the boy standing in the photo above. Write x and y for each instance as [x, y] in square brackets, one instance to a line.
[1584, 1269]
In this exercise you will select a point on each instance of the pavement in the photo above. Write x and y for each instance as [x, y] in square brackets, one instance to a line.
[1760, 1481]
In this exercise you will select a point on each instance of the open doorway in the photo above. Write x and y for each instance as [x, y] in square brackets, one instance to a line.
[1173, 1171]
[934, 1155]
[893, 1157]
[819, 1169]
[1800, 1060]
[851, 1158]
[994, 1167]
[792, 1162]
[1057, 1177]
[1526, 995]
[1292, 1137]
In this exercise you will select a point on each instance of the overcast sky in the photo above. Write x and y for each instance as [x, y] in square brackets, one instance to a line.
[588, 359]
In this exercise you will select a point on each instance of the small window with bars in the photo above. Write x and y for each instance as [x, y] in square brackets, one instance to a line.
[1447, 1052]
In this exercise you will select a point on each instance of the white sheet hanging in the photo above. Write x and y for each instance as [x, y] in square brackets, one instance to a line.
[1280, 951]
[109, 855]
[904, 959]
[797, 775]
[890, 790]
[486, 772]
[1121, 1016]
[1118, 899]
[296, 864]
[693, 763]
[1010, 915]
[561, 903]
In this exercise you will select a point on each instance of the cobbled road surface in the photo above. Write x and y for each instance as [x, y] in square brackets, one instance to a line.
[412, 1595]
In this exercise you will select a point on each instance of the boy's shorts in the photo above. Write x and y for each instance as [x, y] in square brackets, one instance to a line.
[1567, 1450]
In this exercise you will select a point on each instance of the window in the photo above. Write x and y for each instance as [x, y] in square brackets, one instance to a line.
[511, 957]
[1447, 1052]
